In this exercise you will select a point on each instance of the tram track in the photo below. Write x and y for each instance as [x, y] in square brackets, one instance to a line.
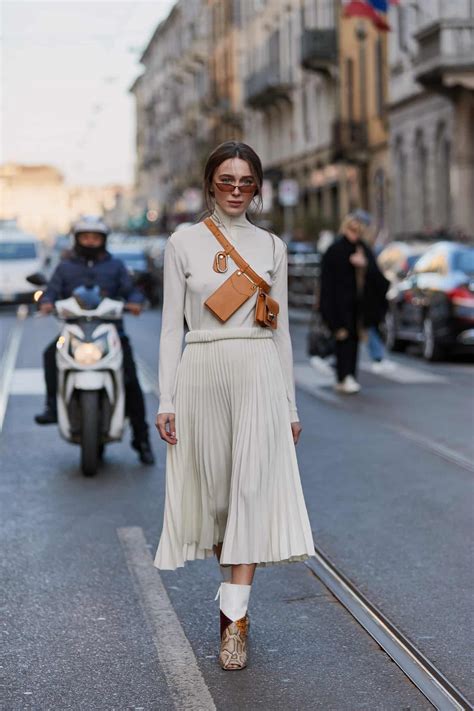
[430, 681]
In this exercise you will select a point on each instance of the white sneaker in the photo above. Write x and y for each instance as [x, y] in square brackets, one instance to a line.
[348, 386]
[382, 366]
[321, 365]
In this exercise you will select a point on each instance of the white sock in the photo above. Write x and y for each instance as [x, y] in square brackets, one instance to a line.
[234, 600]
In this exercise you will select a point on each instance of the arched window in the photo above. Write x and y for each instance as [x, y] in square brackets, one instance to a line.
[379, 198]
[400, 207]
[442, 176]
[421, 168]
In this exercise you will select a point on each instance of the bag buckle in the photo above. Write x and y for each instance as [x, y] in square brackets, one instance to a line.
[220, 262]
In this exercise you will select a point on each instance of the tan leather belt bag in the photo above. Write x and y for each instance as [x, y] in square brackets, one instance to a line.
[240, 286]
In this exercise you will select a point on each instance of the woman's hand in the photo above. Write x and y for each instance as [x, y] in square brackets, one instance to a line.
[341, 334]
[358, 258]
[296, 430]
[165, 424]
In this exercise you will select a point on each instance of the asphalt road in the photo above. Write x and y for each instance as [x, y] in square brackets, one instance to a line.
[89, 624]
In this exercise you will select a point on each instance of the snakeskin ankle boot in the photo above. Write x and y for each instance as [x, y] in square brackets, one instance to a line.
[233, 654]
[234, 625]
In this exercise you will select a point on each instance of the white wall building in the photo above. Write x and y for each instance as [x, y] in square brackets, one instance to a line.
[432, 115]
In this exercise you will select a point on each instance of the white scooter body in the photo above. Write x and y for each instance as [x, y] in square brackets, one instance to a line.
[93, 371]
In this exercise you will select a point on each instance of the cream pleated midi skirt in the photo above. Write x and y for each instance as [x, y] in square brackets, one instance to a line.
[232, 477]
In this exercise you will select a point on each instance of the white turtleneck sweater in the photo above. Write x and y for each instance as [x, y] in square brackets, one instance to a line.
[189, 279]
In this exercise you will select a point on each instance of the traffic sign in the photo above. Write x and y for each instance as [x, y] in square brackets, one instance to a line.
[288, 192]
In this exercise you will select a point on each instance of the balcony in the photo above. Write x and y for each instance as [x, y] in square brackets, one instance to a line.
[350, 141]
[446, 54]
[266, 87]
[319, 50]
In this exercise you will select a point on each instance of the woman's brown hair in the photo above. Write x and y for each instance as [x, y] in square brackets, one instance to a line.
[226, 150]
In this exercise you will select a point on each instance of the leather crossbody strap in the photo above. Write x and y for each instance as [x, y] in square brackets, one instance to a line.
[231, 252]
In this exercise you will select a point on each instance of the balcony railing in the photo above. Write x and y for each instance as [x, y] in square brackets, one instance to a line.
[350, 141]
[267, 86]
[445, 47]
[319, 49]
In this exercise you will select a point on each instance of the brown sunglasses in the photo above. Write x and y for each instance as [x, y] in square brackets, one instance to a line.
[230, 187]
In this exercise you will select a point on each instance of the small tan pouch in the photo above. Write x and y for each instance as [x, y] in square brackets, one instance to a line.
[266, 311]
[231, 295]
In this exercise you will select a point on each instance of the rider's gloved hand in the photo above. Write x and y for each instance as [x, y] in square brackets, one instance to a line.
[46, 308]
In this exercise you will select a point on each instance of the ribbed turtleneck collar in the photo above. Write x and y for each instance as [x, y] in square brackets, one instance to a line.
[229, 221]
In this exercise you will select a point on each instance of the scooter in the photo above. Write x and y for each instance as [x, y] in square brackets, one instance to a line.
[89, 361]
[91, 393]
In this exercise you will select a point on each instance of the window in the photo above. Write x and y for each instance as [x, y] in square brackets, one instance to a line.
[400, 187]
[379, 78]
[443, 183]
[18, 250]
[305, 110]
[402, 28]
[350, 88]
[464, 261]
[421, 156]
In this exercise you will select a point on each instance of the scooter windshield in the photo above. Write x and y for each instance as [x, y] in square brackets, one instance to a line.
[88, 297]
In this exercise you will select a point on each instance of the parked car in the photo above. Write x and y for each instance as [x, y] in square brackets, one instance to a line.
[132, 251]
[304, 262]
[398, 258]
[20, 255]
[434, 304]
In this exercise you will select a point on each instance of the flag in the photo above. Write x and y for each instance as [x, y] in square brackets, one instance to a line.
[363, 8]
[379, 5]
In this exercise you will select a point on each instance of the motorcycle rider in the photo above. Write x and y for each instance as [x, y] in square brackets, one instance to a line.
[90, 263]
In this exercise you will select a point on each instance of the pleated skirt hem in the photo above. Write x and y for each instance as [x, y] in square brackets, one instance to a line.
[233, 476]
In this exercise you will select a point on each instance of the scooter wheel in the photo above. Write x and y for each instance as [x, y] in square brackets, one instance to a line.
[89, 400]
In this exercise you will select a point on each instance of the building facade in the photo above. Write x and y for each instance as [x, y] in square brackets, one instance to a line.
[432, 116]
[315, 90]
[173, 96]
[226, 48]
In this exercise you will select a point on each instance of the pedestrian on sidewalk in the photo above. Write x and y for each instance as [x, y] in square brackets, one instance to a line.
[227, 402]
[352, 297]
[377, 306]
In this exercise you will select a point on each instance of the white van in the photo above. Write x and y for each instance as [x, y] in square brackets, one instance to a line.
[20, 255]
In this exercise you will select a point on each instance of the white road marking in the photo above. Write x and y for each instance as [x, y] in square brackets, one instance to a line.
[404, 374]
[7, 364]
[315, 382]
[28, 381]
[148, 379]
[178, 662]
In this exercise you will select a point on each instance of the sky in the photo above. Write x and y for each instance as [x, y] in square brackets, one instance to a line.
[67, 68]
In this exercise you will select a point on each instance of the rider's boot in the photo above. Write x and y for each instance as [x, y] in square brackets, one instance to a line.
[50, 414]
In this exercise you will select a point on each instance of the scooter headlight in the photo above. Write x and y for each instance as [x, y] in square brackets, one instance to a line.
[88, 353]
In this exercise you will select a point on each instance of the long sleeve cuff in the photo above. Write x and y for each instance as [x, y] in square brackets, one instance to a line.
[166, 406]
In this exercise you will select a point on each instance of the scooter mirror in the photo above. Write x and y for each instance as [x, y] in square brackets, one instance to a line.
[37, 279]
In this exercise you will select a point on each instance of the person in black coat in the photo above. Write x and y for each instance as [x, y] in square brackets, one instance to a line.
[352, 297]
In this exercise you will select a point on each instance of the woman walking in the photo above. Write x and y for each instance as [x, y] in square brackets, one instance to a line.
[352, 297]
[227, 402]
